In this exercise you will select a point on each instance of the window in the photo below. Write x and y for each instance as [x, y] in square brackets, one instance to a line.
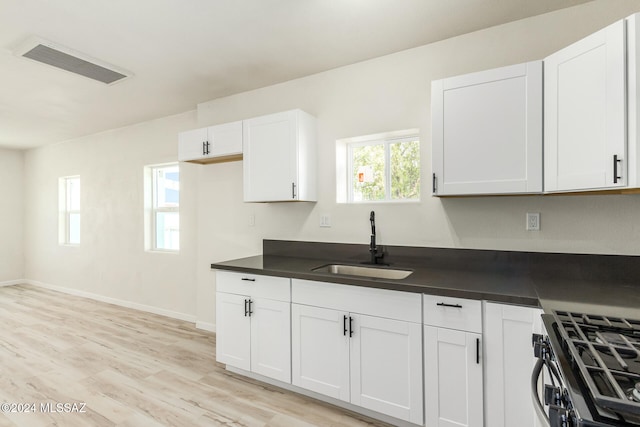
[380, 168]
[163, 194]
[69, 207]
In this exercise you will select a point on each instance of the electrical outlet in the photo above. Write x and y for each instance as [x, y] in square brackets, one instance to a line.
[325, 221]
[533, 221]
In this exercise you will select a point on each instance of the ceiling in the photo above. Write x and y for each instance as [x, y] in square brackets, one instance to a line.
[183, 52]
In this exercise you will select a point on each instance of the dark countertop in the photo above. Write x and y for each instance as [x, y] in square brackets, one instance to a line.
[596, 284]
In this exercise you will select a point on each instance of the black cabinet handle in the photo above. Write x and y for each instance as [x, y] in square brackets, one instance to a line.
[203, 152]
[246, 307]
[247, 279]
[477, 351]
[250, 312]
[208, 147]
[434, 184]
[616, 160]
[443, 304]
[293, 190]
[350, 326]
[344, 325]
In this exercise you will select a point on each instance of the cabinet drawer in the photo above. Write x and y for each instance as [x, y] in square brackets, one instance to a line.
[358, 299]
[255, 285]
[453, 313]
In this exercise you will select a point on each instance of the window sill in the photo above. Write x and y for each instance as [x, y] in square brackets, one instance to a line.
[381, 202]
[164, 251]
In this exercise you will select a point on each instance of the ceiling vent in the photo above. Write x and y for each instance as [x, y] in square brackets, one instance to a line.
[69, 60]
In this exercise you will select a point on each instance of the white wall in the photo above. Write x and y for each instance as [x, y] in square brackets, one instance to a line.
[111, 261]
[392, 93]
[11, 216]
[384, 94]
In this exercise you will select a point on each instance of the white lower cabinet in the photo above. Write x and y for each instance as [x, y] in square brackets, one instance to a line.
[453, 362]
[348, 350]
[253, 332]
[386, 368]
[364, 346]
[509, 362]
[453, 378]
[270, 339]
[320, 351]
[233, 331]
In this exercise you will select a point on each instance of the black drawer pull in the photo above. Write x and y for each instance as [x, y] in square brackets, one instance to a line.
[248, 279]
[250, 312]
[443, 304]
[344, 326]
[246, 307]
[350, 326]
[477, 351]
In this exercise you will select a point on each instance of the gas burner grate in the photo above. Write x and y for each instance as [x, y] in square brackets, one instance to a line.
[606, 350]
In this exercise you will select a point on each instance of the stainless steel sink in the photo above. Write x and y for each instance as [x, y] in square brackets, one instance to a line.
[357, 270]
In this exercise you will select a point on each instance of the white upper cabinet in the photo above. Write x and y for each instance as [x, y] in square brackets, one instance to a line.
[280, 157]
[585, 113]
[487, 132]
[192, 145]
[211, 144]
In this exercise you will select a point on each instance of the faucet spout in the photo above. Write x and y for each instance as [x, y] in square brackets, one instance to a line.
[372, 218]
[373, 247]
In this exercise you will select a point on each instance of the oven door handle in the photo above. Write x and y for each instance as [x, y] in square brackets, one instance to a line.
[537, 404]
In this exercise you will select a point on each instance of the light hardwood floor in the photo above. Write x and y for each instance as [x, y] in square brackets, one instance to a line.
[131, 368]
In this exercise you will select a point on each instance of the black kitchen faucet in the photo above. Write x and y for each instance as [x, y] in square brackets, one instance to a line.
[376, 257]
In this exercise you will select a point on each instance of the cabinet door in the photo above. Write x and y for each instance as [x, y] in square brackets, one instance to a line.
[509, 362]
[320, 350]
[271, 338]
[487, 131]
[453, 378]
[192, 144]
[225, 139]
[386, 367]
[585, 112]
[233, 331]
[270, 158]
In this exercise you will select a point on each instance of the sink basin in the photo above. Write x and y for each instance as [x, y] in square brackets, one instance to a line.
[357, 270]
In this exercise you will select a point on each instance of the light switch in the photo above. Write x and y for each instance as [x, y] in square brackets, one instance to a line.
[325, 221]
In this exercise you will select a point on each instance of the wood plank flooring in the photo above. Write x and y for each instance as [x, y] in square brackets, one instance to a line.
[130, 368]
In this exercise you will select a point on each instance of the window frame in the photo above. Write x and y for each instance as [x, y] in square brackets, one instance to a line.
[151, 194]
[66, 210]
[386, 141]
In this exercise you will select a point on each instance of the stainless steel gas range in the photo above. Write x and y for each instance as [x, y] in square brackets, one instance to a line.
[592, 370]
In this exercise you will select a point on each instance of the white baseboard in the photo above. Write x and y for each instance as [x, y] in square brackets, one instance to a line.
[206, 326]
[12, 282]
[115, 301]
